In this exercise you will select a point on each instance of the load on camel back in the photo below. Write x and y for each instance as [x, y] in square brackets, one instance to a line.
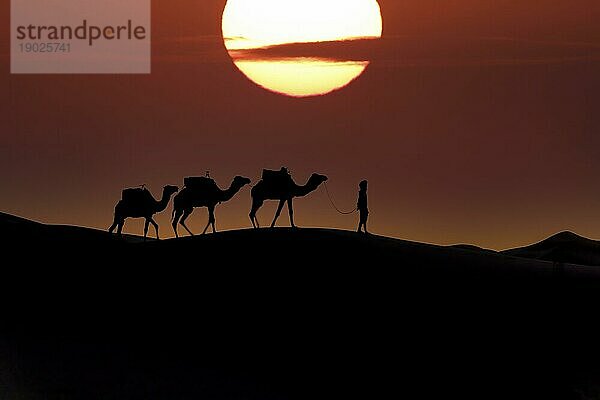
[138, 195]
[280, 178]
[200, 184]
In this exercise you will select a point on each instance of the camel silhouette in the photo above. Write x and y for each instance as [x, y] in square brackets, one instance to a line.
[142, 206]
[190, 198]
[284, 191]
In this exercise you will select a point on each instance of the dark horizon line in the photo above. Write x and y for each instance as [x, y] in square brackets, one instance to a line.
[249, 228]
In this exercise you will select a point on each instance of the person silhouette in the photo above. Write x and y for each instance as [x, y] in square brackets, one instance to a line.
[362, 207]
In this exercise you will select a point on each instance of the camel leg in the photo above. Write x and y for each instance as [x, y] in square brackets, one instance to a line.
[120, 227]
[256, 204]
[186, 214]
[206, 227]
[254, 220]
[176, 216]
[153, 222]
[211, 218]
[278, 212]
[146, 228]
[114, 225]
[290, 204]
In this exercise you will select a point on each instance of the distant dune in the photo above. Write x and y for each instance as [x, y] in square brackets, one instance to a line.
[564, 247]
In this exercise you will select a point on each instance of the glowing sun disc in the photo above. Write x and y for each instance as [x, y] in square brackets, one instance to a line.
[255, 24]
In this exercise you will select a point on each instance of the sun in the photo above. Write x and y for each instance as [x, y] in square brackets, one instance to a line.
[258, 24]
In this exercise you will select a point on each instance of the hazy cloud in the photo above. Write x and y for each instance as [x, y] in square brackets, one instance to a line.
[432, 51]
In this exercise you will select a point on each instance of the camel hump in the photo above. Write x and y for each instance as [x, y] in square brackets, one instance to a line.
[281, 176]
[200, 183]
[136, 195]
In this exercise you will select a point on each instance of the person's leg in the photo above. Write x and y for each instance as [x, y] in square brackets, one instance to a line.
[361, 221]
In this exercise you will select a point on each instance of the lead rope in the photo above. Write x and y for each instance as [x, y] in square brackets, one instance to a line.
[333, 203]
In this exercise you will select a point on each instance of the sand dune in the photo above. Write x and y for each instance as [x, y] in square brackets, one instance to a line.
[564, 247]
[288, 314]
[16, 229]
[319, 247]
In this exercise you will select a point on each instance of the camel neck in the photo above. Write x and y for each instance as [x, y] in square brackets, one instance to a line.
[163, 203]
[230, 192]
[310, 186]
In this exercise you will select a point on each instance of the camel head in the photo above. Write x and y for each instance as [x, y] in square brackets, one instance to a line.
[168, 190]
[240, 181]
[317, 179]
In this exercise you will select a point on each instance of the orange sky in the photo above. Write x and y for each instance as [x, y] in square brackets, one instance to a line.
[477, 121]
